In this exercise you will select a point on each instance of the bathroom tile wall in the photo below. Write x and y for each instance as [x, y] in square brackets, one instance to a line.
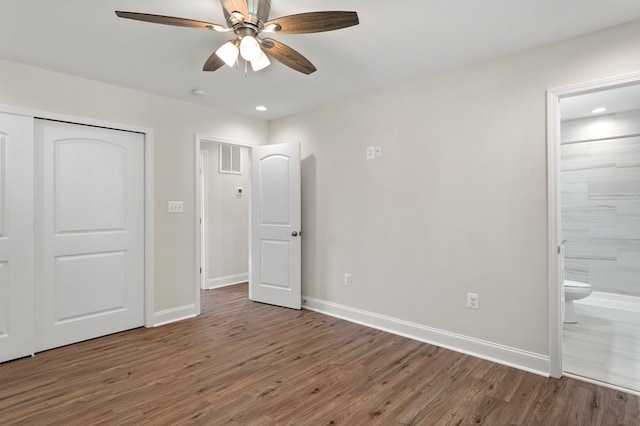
[601, 203]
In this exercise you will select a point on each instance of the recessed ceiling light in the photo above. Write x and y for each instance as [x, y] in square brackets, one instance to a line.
[598, 110]
[261, 108]
[198, 92]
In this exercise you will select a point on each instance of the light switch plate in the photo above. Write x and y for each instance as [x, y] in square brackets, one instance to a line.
[473, 301]
[176, 207]
[371, 152]
[378, 151]
[347, 279]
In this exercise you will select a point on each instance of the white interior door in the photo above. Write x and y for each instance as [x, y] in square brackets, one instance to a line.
[16, 236]
[90, 232]
[275, 275]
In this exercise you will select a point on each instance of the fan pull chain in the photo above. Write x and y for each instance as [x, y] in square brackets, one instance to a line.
[245, 69]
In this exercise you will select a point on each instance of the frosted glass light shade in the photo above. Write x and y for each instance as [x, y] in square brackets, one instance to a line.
[249, 48]
[260, 63]
[228, 52]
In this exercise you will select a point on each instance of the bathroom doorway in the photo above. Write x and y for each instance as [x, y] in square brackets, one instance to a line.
[594, 217]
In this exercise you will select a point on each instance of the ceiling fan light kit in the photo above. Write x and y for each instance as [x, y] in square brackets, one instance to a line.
[261, 63]
[228, 52]
[247, 19]
[249, 48]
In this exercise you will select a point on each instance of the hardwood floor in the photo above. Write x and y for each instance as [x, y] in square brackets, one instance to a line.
[248, 363]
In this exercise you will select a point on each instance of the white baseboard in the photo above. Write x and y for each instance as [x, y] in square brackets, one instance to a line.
[227, 281]
[512, 357]
[174, 314]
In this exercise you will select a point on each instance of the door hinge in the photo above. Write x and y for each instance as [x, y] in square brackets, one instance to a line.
[200, 270]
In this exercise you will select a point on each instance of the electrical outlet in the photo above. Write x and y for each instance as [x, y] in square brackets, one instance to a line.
[473, 301]
[176, 207]
[347, 279]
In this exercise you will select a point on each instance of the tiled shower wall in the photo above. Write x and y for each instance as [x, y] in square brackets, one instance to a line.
[601, 205]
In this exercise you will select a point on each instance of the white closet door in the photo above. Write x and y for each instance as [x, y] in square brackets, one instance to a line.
[16, 236]
[90, 229]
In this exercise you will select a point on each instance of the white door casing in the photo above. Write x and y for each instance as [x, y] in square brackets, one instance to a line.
[204, 240]
[90, 221]
[16, 236]
[275, 275]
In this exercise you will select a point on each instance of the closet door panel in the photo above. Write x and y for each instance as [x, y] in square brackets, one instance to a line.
[90, 261]
[16, 237]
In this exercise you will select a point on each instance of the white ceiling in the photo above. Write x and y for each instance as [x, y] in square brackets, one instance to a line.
[396, 41]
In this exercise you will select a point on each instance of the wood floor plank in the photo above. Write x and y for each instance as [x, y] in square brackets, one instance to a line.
[245, 363]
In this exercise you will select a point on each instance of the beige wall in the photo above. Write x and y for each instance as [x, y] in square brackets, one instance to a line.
[457, 202]
[174, 124]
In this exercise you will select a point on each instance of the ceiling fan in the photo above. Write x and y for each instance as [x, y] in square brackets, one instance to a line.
[248, 19]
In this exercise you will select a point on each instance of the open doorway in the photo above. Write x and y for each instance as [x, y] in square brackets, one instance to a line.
[273, 223]
[594, 229]
[223, 209]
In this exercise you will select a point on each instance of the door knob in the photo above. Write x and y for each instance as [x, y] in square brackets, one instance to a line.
[294, 234]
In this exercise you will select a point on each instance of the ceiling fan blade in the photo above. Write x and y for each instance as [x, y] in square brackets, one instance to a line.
[288, 56]
[170, 20]
[312, 22]
[213, 63]
[231, 6]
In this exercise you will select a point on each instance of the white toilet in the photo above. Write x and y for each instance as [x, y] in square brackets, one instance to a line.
[573, 290]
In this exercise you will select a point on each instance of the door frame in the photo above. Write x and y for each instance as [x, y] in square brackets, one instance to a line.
[148, 187]
[198, 141]
[554, 215]
[204, 199]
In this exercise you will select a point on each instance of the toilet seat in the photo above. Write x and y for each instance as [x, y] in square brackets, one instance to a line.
[576, 284]
[576, 290]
